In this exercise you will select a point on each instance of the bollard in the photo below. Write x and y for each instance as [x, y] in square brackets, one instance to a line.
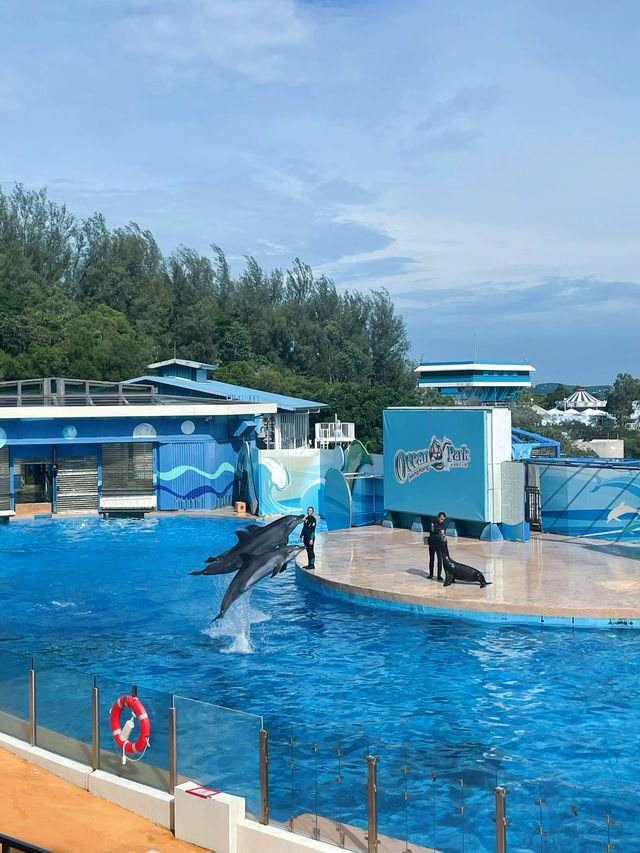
[32, 705]
[173, 748]
[264, 777]
[372, 804]
[501, 819]
[95, 726]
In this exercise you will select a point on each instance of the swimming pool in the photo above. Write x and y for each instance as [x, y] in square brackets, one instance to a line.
[549, 715]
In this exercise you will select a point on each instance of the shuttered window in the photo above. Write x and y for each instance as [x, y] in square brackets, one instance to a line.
[5, 497]
[127, 470]
[77, 483]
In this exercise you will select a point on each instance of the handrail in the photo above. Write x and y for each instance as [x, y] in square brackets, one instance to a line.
[14, 845]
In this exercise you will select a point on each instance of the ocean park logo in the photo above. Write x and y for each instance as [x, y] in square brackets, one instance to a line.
[441, 455]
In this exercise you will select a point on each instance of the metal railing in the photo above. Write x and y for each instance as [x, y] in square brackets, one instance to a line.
[345, 790]
[14, 845]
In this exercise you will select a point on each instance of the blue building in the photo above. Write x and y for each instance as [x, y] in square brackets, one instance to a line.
[165, 442]
[482, 382]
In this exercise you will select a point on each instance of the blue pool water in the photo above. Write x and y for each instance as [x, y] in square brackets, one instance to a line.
[550, 715]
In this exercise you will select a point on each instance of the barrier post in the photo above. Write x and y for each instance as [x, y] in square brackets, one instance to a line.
[501, 819]
[372, 804]
[264, 777]
[32, 705]
[173, 748]
[95, 725]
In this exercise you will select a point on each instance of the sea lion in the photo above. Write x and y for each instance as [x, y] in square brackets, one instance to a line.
[460, 572]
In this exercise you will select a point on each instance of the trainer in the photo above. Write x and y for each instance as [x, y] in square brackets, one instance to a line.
[308, 536]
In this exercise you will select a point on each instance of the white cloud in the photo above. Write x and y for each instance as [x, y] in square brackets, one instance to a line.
[259, 42]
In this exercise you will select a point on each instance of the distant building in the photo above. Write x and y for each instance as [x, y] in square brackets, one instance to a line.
[168, 442]
[484, 382]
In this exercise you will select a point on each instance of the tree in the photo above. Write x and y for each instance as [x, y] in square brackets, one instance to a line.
[620, 400]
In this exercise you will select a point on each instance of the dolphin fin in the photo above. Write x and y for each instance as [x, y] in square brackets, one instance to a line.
[274, 572]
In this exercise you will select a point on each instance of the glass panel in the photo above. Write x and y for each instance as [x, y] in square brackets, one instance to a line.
[317, 785]
[63, 712]
[219, 748]
[150, 767]
[14, 695]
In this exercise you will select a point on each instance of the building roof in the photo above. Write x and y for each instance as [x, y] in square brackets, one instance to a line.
[581, 399]
[439, 366]
[197, 365]
[225, 391]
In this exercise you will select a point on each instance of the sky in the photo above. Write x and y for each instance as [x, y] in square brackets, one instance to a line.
[480, 161]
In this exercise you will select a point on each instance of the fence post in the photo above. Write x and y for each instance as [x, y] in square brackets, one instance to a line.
[501, 819]
[173, 747]
[372, 804]
[264, 777]
[32, 705]
[95, 725]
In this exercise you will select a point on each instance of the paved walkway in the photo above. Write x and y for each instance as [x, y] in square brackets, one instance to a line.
[548, 576]
[42, 809]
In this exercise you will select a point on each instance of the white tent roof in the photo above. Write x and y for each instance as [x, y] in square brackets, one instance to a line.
[581, 399]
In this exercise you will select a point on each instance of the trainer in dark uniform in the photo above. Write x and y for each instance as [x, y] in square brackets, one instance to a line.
[308, 536]
[437, 544]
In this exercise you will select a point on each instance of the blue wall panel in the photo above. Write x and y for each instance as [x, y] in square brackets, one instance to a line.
[586, 500]
[194, 475]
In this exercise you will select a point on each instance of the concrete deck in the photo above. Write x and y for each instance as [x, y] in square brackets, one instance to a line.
[582, 582]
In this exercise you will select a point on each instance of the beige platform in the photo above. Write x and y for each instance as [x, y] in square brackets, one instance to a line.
[547, 578]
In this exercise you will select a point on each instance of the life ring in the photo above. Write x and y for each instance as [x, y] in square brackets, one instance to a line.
[140, 715]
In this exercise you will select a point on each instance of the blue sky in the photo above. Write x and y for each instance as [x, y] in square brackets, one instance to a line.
[478, 160]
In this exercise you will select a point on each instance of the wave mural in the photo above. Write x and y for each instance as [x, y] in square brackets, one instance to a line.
[591, 502]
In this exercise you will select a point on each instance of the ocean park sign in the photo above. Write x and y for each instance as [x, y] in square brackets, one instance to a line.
[441, 455]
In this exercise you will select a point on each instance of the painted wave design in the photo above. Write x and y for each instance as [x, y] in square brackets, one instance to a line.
[197, 492]
[179, 470]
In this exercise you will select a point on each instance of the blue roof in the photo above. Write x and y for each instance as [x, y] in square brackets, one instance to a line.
[225, 391]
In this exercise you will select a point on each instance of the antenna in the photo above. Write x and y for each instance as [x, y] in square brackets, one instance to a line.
[174, 350]
[475, 357]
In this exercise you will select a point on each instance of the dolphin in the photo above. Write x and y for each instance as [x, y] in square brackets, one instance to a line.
[254, 568]
[255, 539]
[620, 510]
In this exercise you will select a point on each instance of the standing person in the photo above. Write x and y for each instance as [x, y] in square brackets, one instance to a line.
[437, 543]
[308, 536]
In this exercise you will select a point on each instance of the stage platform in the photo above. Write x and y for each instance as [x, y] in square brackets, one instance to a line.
[549, 580]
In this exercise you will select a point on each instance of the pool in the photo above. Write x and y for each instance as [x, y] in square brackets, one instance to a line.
[550, 715]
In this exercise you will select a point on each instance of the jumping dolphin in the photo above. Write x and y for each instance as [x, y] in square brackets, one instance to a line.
[254, 568]
[255, 539]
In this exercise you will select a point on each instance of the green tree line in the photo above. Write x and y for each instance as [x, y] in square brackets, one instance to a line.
[81, 300]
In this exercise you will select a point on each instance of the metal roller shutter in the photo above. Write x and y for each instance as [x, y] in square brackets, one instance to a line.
[77, 483]
[127, 470]
[5, 497]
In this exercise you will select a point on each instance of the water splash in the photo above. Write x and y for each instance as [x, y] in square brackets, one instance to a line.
[236, 623]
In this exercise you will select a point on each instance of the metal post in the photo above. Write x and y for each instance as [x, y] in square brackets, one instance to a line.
[501, 819]
[32, 705]
[134, 689]
[95, 726]
[372, 804]
[173, 748]
[264, 777]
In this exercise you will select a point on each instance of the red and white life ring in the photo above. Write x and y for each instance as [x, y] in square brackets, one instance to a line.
[140, 715]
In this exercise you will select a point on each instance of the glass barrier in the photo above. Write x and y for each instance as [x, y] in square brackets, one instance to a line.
[219, 748]
[554, 816]
[317, 784]
[14, 695]
[151, 766]
[63, 711]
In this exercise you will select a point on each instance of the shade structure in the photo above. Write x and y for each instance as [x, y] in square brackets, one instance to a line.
[581, 399]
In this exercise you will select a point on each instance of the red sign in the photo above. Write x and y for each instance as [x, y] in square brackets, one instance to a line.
[205, 793]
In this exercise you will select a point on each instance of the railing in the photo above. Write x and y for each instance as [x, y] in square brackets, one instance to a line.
[14, 845]
[345, 789]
